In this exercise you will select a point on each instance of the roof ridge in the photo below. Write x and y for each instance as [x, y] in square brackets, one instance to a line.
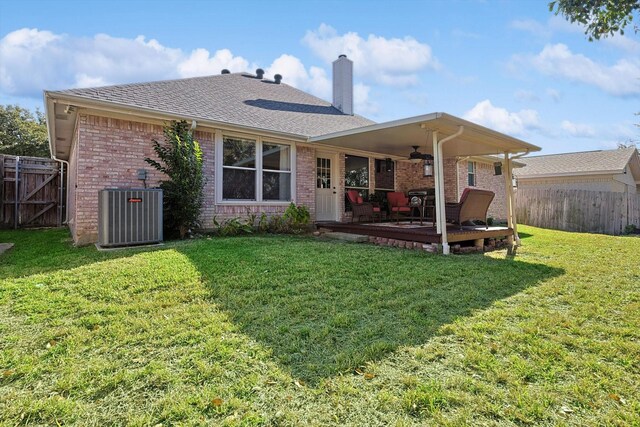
[581, 152]
[150, 82]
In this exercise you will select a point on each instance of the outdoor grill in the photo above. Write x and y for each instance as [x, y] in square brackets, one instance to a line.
[421, 196]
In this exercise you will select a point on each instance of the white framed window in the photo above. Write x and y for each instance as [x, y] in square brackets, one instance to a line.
[254, 170]
[471, 175]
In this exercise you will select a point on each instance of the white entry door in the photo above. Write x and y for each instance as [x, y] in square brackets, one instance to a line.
[326, 182]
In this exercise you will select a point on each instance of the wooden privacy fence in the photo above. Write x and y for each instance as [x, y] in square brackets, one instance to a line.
[602, 212]
[39, 187]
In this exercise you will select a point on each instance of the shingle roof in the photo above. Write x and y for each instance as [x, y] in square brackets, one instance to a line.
[237, 98]
[581, 163]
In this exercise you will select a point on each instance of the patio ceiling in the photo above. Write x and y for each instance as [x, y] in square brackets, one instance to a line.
[395, 138]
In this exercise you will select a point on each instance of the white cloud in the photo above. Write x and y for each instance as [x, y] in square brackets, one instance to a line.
[578, 129]
[554, 94]
[523, 95]
[531, 26]
[32, 60]
[295, 74]
[362, 104]
[502, 120]
[623, 43]
[201, 63]
[392, 61]
[620, 79]
[546, 29]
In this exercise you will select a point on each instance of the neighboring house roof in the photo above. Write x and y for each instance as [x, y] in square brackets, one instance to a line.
[237, 98]
[581, 163]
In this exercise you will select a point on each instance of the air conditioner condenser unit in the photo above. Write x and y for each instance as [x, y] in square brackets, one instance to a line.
[129, 216]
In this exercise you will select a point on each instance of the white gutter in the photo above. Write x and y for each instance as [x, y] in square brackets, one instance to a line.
[441, 218]
[50, 124]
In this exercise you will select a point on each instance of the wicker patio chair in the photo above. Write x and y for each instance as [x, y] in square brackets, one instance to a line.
[360, 208]
[398, 204]
[473, 205]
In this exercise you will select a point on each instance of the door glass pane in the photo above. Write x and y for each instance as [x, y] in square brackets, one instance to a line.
[323, 173]
[239, 152]
[238, 184]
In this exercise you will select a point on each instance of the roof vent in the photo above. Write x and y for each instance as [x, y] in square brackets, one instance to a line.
[259, 73]
[342, 56]
[277, 78]
[225, 71]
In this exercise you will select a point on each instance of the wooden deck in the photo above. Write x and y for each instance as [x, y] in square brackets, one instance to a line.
[415, 232]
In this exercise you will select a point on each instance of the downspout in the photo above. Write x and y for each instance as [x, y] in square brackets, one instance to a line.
[66, 186]
[440, 204]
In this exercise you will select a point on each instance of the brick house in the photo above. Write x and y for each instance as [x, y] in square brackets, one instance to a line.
[265, 144]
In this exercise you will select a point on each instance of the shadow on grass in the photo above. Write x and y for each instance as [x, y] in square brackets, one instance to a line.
[524, 235]
[40, 251]
[324, 308]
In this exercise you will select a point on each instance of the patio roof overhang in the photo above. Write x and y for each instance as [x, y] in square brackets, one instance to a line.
[395, 138]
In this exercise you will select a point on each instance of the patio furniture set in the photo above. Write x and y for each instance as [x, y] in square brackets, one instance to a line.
[419, 204]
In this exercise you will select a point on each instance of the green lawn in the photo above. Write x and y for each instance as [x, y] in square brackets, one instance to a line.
[296, 331]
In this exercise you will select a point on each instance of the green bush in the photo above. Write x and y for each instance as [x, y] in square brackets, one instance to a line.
[294, 220]
[232, 227]
[181, 161]
[630, 229]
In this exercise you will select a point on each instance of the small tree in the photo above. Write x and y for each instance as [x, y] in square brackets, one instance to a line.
[181, 160]
[22, 133]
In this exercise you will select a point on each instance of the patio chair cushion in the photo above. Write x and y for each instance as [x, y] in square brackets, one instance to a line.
[400, 209]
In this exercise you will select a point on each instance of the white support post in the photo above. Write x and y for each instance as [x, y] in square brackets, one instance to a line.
[441, 201]
[436, 181]
[511, 210]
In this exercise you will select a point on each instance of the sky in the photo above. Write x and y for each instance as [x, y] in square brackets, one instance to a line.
[509, 65]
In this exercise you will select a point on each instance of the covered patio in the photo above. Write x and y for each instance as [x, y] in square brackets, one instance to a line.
[442, 136]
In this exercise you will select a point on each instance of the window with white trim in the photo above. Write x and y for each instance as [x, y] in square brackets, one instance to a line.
[255, 170]
[471, 175]
[356, 177]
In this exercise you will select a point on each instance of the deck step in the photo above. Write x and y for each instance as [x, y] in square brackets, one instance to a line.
[346, 237]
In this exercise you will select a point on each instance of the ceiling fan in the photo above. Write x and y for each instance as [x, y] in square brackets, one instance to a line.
[417, 156]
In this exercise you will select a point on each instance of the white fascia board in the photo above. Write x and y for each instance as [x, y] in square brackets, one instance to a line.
[377, 126]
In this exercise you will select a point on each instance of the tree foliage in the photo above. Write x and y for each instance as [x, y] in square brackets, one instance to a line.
[602, 18]
[22, 133]
[181, 160]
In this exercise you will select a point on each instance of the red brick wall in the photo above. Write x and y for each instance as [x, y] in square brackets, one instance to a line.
[486, 180]
[410, 175]
[108, 152]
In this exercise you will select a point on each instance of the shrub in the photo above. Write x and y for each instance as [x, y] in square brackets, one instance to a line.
[630, 229]
[294, 220]
[181, 160]
[232, 227]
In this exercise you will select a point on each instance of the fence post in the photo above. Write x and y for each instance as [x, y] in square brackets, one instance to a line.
[16, 198]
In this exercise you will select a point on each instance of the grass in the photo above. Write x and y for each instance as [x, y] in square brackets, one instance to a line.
[296, 331]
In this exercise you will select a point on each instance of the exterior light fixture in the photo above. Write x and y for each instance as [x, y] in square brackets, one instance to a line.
[428, 165]
[497, 168]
